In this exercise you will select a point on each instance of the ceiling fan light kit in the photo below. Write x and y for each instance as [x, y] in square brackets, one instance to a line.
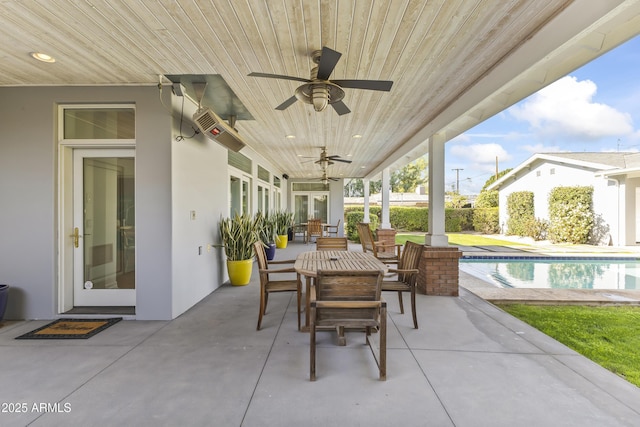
[319, 91]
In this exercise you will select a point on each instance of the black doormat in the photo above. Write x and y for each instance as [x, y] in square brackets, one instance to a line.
[65, 329]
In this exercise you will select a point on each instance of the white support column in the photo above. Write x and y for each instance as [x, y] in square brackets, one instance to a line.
[385, 224]
[365, 183]
[436, 236]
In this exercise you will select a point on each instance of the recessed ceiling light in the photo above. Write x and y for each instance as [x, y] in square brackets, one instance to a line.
[357, 136]
[290, 137]
[42, 57]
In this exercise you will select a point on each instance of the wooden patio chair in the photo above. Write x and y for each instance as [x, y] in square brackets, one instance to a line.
[300, 230]
[268, 286]
[378, 249]
[406, 276]
[314, 229]
[349, 299]
[332, 230]
[332, 244]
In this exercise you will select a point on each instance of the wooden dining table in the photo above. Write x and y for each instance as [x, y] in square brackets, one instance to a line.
[307, 264]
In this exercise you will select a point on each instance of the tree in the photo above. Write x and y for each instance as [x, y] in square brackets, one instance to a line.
[455, 200]
[403, 180]
[355, 187]
[406, 180]
[493, 178]
[487, 199]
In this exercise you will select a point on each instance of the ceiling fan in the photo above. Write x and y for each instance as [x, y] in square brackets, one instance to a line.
[318, 90]
[326, 160]
[325, 179]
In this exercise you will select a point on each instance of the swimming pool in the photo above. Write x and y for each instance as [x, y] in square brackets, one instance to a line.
[555, 273]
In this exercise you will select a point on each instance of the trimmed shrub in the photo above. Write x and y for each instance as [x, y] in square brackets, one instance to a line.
[486, 220]
[405, 218]
[537, 228]
[487, 199]
[456, 220]
[520, 211]
[571, 216]
[352, 219]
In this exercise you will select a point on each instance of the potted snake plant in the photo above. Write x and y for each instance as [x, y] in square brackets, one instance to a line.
[283, 221]
[267, 230]
[238, 236]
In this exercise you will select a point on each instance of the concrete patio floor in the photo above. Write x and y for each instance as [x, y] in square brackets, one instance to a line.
[469, 364]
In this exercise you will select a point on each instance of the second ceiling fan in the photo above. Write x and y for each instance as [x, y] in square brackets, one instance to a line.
[318, 90]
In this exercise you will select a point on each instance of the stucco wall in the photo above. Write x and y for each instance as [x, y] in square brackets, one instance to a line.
[28, 194]
[542, 177]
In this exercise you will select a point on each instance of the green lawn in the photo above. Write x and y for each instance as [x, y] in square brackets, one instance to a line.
[610, 336]
[458, 239]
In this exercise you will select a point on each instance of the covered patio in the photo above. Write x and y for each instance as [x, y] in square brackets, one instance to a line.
[469, 364]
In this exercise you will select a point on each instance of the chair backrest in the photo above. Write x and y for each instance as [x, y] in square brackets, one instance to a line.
[366, 237]
[410, 260]
[348, 286]
[332, 244]
[314, 227]
[261, 255]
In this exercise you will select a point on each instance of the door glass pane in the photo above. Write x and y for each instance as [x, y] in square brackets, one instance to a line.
[266, 200]
[245, 197]
[102, 123]
[109, 223]
[234, 191]
[320, 207]
[301, 208]
[261, 198]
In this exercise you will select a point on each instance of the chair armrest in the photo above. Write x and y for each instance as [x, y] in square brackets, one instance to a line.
[277, 270]
[387, 245]
[402, 271]
[284, 261]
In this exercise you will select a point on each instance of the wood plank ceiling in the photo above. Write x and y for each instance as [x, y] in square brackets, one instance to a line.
[434, 51]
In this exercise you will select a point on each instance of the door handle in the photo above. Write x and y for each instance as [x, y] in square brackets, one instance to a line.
[76, 237]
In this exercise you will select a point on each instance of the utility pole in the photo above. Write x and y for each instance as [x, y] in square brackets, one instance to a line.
[457, 178]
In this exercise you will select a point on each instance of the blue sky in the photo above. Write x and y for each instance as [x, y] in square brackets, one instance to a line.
[595, 108]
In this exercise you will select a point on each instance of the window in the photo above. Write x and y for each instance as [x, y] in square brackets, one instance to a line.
[99, 123]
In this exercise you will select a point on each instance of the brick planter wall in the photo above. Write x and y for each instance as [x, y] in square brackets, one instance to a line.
[387, 236]
[438, 271]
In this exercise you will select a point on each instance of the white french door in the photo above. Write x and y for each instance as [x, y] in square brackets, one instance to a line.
[311, 205]
[104, 227]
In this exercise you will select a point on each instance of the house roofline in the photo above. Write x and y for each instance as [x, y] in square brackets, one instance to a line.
[597, 167]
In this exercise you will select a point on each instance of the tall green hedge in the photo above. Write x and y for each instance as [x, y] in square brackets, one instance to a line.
[353, 217]
[406, 218]
[521, 211]
[571, 215]
[486, 220]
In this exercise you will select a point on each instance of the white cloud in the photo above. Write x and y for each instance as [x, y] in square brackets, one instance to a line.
[566, 109]
[481, 156]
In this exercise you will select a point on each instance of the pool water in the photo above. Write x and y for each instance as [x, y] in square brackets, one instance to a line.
[556, 273]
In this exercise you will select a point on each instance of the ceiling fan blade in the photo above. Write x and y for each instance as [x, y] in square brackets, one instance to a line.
[279, 76]
[328, 60]
[286, 104]
[337, 159]
[340, 108]
[341, 160]
[384, 85]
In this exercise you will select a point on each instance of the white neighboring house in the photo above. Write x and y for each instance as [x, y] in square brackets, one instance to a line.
[615, 178]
